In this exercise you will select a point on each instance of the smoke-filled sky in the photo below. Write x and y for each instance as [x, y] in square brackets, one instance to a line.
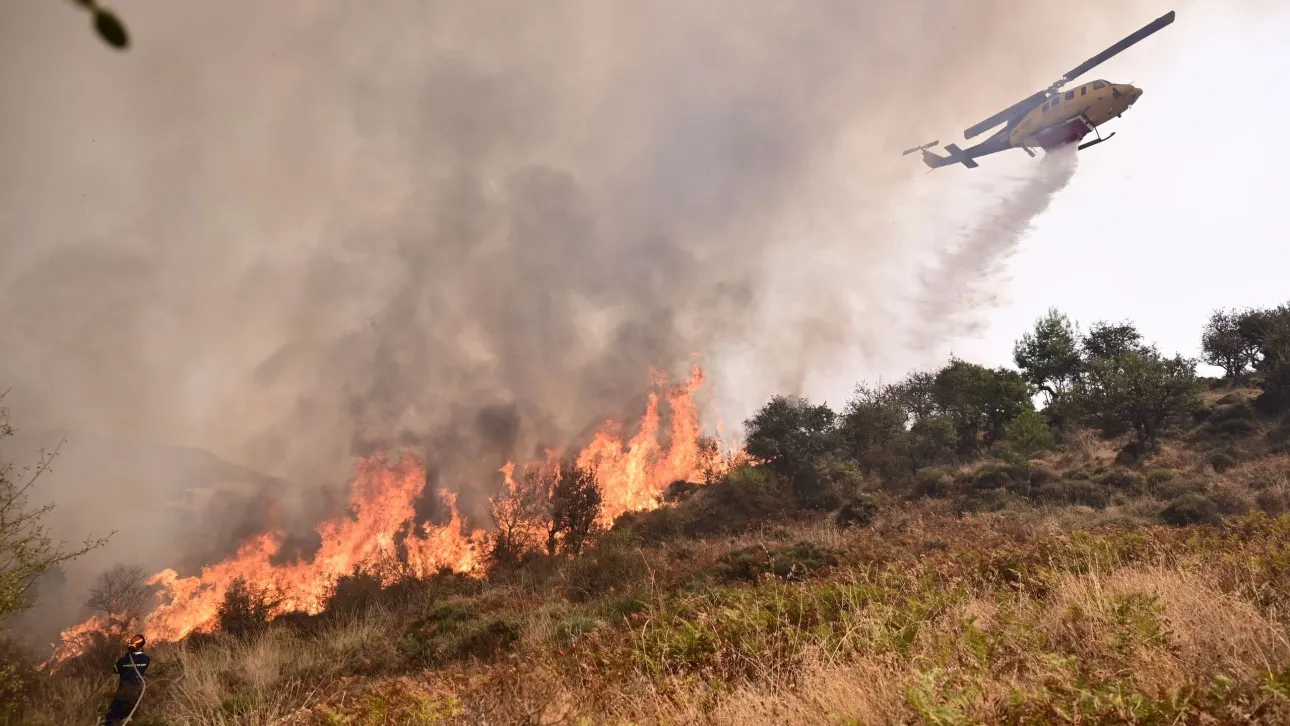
[283, 232]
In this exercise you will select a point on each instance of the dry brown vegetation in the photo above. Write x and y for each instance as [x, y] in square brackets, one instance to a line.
[983, 564]
[923, 617]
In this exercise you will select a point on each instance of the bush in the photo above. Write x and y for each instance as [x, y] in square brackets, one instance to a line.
[795, 562]
[451, 632]
[987, 500]
[679, 490]
[1231, 499]
[1178, 486]
[1155, 477]
[1124, 480]
[354, 593]
[932, 482]
[1222, 462]
[1190, 509]
[858, 510]
[610, 564]
[1276, 391]
[19, 680]
[1075, 492]
[1274, 501]
[1000, 475]
[748, 495]
[245, 610]
[1237, 427]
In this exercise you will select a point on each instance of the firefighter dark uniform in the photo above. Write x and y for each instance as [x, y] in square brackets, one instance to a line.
[131, 669]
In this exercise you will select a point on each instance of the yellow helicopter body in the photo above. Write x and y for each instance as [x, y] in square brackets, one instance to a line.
[1055, 116]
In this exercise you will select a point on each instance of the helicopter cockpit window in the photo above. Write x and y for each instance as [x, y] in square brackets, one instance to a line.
[1070, 95]
[1098, 85]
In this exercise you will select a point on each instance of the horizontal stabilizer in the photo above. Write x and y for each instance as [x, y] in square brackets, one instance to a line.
[956, 156]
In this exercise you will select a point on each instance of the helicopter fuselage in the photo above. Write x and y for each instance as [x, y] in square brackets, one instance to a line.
[1071, 114]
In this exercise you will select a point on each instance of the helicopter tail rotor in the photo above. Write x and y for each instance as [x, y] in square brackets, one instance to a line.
[924, 147]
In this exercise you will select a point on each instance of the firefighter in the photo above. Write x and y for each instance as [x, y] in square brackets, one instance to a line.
[131, 668]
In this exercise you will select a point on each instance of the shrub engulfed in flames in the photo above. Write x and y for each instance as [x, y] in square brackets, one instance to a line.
[380, 535]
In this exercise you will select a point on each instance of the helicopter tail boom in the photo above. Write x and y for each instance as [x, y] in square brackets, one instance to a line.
[956, 156]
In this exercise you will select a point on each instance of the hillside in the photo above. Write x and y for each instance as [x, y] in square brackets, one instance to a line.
[937, 552]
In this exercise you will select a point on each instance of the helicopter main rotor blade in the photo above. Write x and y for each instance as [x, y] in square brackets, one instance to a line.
[1039, 96]
[1097, 60]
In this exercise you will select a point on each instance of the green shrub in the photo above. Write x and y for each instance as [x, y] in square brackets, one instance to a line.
[1075, 492]
[610, 564]
[1237, 410]
[1222, 462]
[1156, 477]
[932, 481]
[1190, 509]
[1029, 433]
[858, 510]
[987, 500]
[1178, 486]
[1123, 480]
[1000, 475]
[794, 562]
[452, 632]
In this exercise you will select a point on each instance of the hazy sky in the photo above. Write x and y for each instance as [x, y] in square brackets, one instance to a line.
[217, 201]
[1180, 213]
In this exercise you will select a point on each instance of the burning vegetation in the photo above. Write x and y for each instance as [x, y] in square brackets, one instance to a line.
[553, 505]
[939, 551]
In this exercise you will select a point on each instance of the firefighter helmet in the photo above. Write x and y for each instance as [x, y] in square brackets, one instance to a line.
[136, 642]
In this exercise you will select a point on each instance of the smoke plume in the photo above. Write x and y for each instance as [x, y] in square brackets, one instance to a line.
[289, 232]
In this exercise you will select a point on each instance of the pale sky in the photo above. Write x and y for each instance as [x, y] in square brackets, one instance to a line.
[1184, 210]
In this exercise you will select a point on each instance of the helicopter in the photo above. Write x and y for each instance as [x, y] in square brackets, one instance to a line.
[1052, 117]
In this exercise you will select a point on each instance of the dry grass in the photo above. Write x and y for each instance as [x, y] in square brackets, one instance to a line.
[932, 614]
[928, 619]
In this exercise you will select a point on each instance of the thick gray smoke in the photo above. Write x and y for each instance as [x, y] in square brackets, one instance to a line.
[285, 232]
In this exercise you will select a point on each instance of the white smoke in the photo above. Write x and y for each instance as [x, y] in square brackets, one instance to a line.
[965, 283]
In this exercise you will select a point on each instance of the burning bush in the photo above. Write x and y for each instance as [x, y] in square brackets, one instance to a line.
[246, 609]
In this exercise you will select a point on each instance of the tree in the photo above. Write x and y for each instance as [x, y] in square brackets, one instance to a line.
[1223, 345]
[790, 434]
[931, 443]
[574, 508]
[1110, 340]
[121, 594]
[1029, 433]
[979, 401]
[1140, 391]
[519, 514]
[27, 551]
[1274, 338]
[873, 428]
[1049, 356]
[917, 394]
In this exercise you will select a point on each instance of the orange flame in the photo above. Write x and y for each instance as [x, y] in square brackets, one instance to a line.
[380, 536]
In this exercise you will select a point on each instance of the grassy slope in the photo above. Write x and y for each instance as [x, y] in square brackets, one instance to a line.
[931, 614]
